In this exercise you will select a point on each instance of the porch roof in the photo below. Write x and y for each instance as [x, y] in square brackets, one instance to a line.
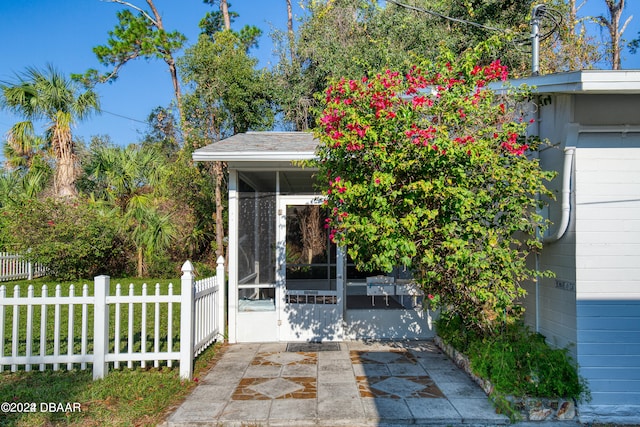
[260, 147]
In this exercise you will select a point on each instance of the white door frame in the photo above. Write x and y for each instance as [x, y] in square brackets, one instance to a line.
[330, 313]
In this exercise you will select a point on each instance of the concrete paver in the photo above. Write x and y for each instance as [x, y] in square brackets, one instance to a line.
[362, 384]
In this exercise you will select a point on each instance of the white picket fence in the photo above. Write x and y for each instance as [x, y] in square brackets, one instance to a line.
[201, 305]
[14, 267]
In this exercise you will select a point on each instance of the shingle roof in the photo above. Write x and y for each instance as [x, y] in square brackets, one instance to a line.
[260, 146]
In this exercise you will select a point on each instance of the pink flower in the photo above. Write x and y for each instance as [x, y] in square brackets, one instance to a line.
[358, 129]
[419, 101]
[337, 135]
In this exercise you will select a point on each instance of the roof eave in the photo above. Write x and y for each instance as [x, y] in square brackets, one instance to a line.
[586, 82]
[243, 156]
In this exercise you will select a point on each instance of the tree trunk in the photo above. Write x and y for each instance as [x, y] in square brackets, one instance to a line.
[65, 176]
[224, 8]
[615, 30]
[173, 71]
[140, 262]
[290, 32]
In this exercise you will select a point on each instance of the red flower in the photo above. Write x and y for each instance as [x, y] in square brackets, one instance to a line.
[337, 135]
[419, 101]
[358, 129]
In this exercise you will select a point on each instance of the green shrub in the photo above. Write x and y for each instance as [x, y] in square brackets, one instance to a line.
[452, 330]
[73, 239]
[436, 180]
[517, 361]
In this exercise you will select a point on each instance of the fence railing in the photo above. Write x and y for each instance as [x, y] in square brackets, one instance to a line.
[14, 267]
[148, 326]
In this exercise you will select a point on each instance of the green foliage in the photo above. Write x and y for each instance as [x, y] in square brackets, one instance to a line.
[428, 170]
[452, 330]
[228, 95]
[189, 196]
[351, 39]
[521, 363]
[46, 94]
[135, 36]
[73, 240]
[18, 185]
[348, 39]
[163, 132]
[213, 22]
[132, 180]
[517, 361]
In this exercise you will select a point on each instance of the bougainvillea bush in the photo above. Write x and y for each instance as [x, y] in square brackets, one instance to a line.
[430, 169]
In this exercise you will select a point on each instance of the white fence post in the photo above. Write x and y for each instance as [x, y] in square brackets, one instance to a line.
[220, 279]
[186, 321]
[100, 326]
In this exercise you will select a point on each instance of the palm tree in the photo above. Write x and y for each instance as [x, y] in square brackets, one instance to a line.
[122, 175]
[22, 147]
[152, 232]
[48, 95]
[16, 186]
[130, 178]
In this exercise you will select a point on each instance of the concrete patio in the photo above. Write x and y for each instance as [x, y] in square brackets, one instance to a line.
[336, 384]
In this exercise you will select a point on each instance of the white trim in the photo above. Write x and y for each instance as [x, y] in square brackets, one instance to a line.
[587, 81]
[609, 129]
[253, 156]
[233, 255]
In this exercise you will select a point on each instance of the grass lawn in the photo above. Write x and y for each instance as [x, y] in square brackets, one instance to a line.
[139, 396]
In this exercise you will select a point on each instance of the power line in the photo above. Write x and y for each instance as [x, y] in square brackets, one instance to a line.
[124, 117]
[554, 15]
[450, 18]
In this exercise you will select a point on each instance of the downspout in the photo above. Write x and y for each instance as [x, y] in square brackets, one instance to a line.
[566, 197]
[563, 225]
[564, 221]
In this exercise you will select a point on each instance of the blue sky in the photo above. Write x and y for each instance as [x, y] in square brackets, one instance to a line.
[37, 32]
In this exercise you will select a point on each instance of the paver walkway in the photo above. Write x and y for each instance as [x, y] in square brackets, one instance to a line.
[353, 384]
